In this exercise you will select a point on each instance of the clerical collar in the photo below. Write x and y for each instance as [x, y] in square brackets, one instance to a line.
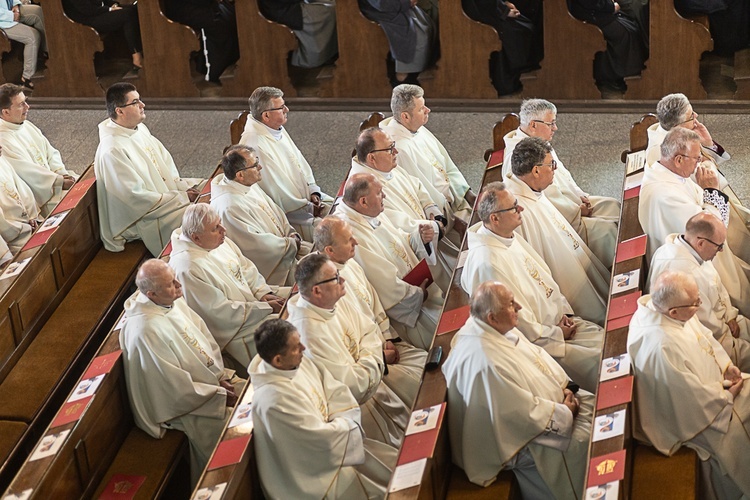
[505, 241]
[270, 369]
[11, 125]
[378, 173]
[372, 221]
[511, 336]
[276, 134]
[326, 313]
[681, 240]
[238, 186]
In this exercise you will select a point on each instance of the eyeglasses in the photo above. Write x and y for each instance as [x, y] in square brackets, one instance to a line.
[390, 149]
[552, 165]
[136, 101]
[695, 158]
[551, 124]
[692, 118]
[254, 165]
[515, 209]
[697, 303]
[283, 106]
[719, 246]
[336, 278]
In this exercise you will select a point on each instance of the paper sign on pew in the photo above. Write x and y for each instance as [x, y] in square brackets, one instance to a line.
[15, 268]
[453, 320]
[229, 452]
[423, 420]
[122, 487]
[102, 364]
[614, 367]
[630, 249]
[408, 475]
[243, 413]
[74, 195]
[49, 445]
[462, 259]
[634, 180]
[70, 412]
[420, 273]
[626, 281]
[24, 495]
[607, 468]
[211, 492]
[635, 162]
[86, 388]
[614, 392]
[621, 322]
[607, 491]
[53, 221]
[421, 444]
[624, 305]
[609, 426]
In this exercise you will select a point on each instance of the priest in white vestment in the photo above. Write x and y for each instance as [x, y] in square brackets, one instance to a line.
[347, 343]
[424, 157]
[595, 218]
[669, 197]
[252, 220]
[404, 362]
[687, 390]
[221, 284]
[139, 191]
[32, 156]
[496, 253]
[173, 368]
[20, 215]
[509, 406]
[307, 428]
[583, 279]
[387, 254]
[5, 255]
[288, 180]
[407, 203]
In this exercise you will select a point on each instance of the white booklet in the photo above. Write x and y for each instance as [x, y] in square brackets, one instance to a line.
[626, 281]
[609, 426]
[616, 366]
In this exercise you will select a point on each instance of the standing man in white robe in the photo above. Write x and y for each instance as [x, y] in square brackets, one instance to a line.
[424, 157]
[289, 180]
[387, 254]
[173, 368]
[583, 279]
[509, 406]
[222, 285]
[139, 191]
[29, 152]
[347, 343]
[307, 427]
[687, 390]
[20, 216]
[496, 253]
[404, 362]
[669, 197]
[593, 217]
[252, 220]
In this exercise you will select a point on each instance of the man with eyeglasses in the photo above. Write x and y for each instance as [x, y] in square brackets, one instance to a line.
[687, 391]
[692, 252]
[347, 343]
[669, 197]
[253, 221]
[288, 178]
[583, 279]
[595, 218]
[140, 193]
[497, 253]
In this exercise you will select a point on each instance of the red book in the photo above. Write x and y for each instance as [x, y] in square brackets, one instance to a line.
[341, 189]
[70, 412]
[614, 392]
[420, 273]
[453, 319]
[101, 364]
[629, 249]
[421, 444]
[631, 193]
[39, 239]
[74, 195]
[607, 468]
[229, 452]
[624, 305]
[496, 158]
[614, 324]
[122, 487]
[167, 250]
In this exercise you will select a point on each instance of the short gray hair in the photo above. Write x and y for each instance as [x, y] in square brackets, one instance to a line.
[308, 272]
[260, 100]
[488, 200]
[676, 142]
[671, 110]
[484, 302]
[144, 279]
[702, 224]
[402, 99]
[529, 153]
[366, 143]
[323, 234]
[232, 161]
[195, 218]
[535, 109]
[357, 186]
[668, 290]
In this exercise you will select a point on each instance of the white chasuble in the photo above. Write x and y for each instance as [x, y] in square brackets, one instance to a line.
[17, 207]
[5, 254]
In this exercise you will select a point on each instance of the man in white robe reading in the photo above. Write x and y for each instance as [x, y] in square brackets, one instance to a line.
[687, 390]
[424, 157]
[289, 180]
[222, 285]
[29, 152]
[20, 216]
[404, 362]
[387, 254]
[307, 428]
[593, 217]
[173, 368]
[583, 279]
[407, 203]
[139, 191]
[509, 406]
[252, 220]
[669, 197]
[692, 252]
[496, 253]
[347, 343]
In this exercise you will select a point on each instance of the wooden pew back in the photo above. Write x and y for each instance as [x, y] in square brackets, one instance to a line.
[639, 135]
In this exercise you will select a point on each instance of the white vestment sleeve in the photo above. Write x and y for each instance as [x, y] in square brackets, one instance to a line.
[559, 429]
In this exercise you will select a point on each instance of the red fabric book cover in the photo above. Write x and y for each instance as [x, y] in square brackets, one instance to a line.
[420, 273]
[39, 239]
[167, 249]
[229, 452]
[101, 364]
[614, 392]
[496, 158]
[615, 323]
[421, 444]
[631, 193]
[453, 319]
[607, 468]
[74, 195]
[71, 412]
[122, 487]
[624, 305]
[341, 189]
[629, 249]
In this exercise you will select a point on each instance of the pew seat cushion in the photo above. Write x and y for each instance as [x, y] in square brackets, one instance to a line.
[461, 488]
[10, 434]
[666, 478]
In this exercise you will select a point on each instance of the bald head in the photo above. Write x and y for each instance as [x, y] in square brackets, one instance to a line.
[706, 234]
[673, 289]
[364, 193]
[493, 303]
[156, 280]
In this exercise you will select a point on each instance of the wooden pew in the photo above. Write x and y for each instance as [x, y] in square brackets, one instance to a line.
[264, 47]
[569, 48]
[639, 135]
[5, 47]
[457, 34]
[237, 126]
[742, 74]
[675, 51]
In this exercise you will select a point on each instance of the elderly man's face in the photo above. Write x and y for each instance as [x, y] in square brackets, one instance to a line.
[689, 119]
[167, 288]
[291, 358]
[251, 173]
[384, 156]
[329, 288]
[507, 214]
[545, 127]
[546, 171]
[688, 161]
[344, 244]
[505, 318]
[417, 117]
[18, 110]
[212, 235]
[276, 114]
[374, 203]
[707, 248]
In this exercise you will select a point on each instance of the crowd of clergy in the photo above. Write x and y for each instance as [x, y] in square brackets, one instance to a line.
[336, 364]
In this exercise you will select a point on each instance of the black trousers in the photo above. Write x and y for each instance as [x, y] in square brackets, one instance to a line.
[125, 19]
